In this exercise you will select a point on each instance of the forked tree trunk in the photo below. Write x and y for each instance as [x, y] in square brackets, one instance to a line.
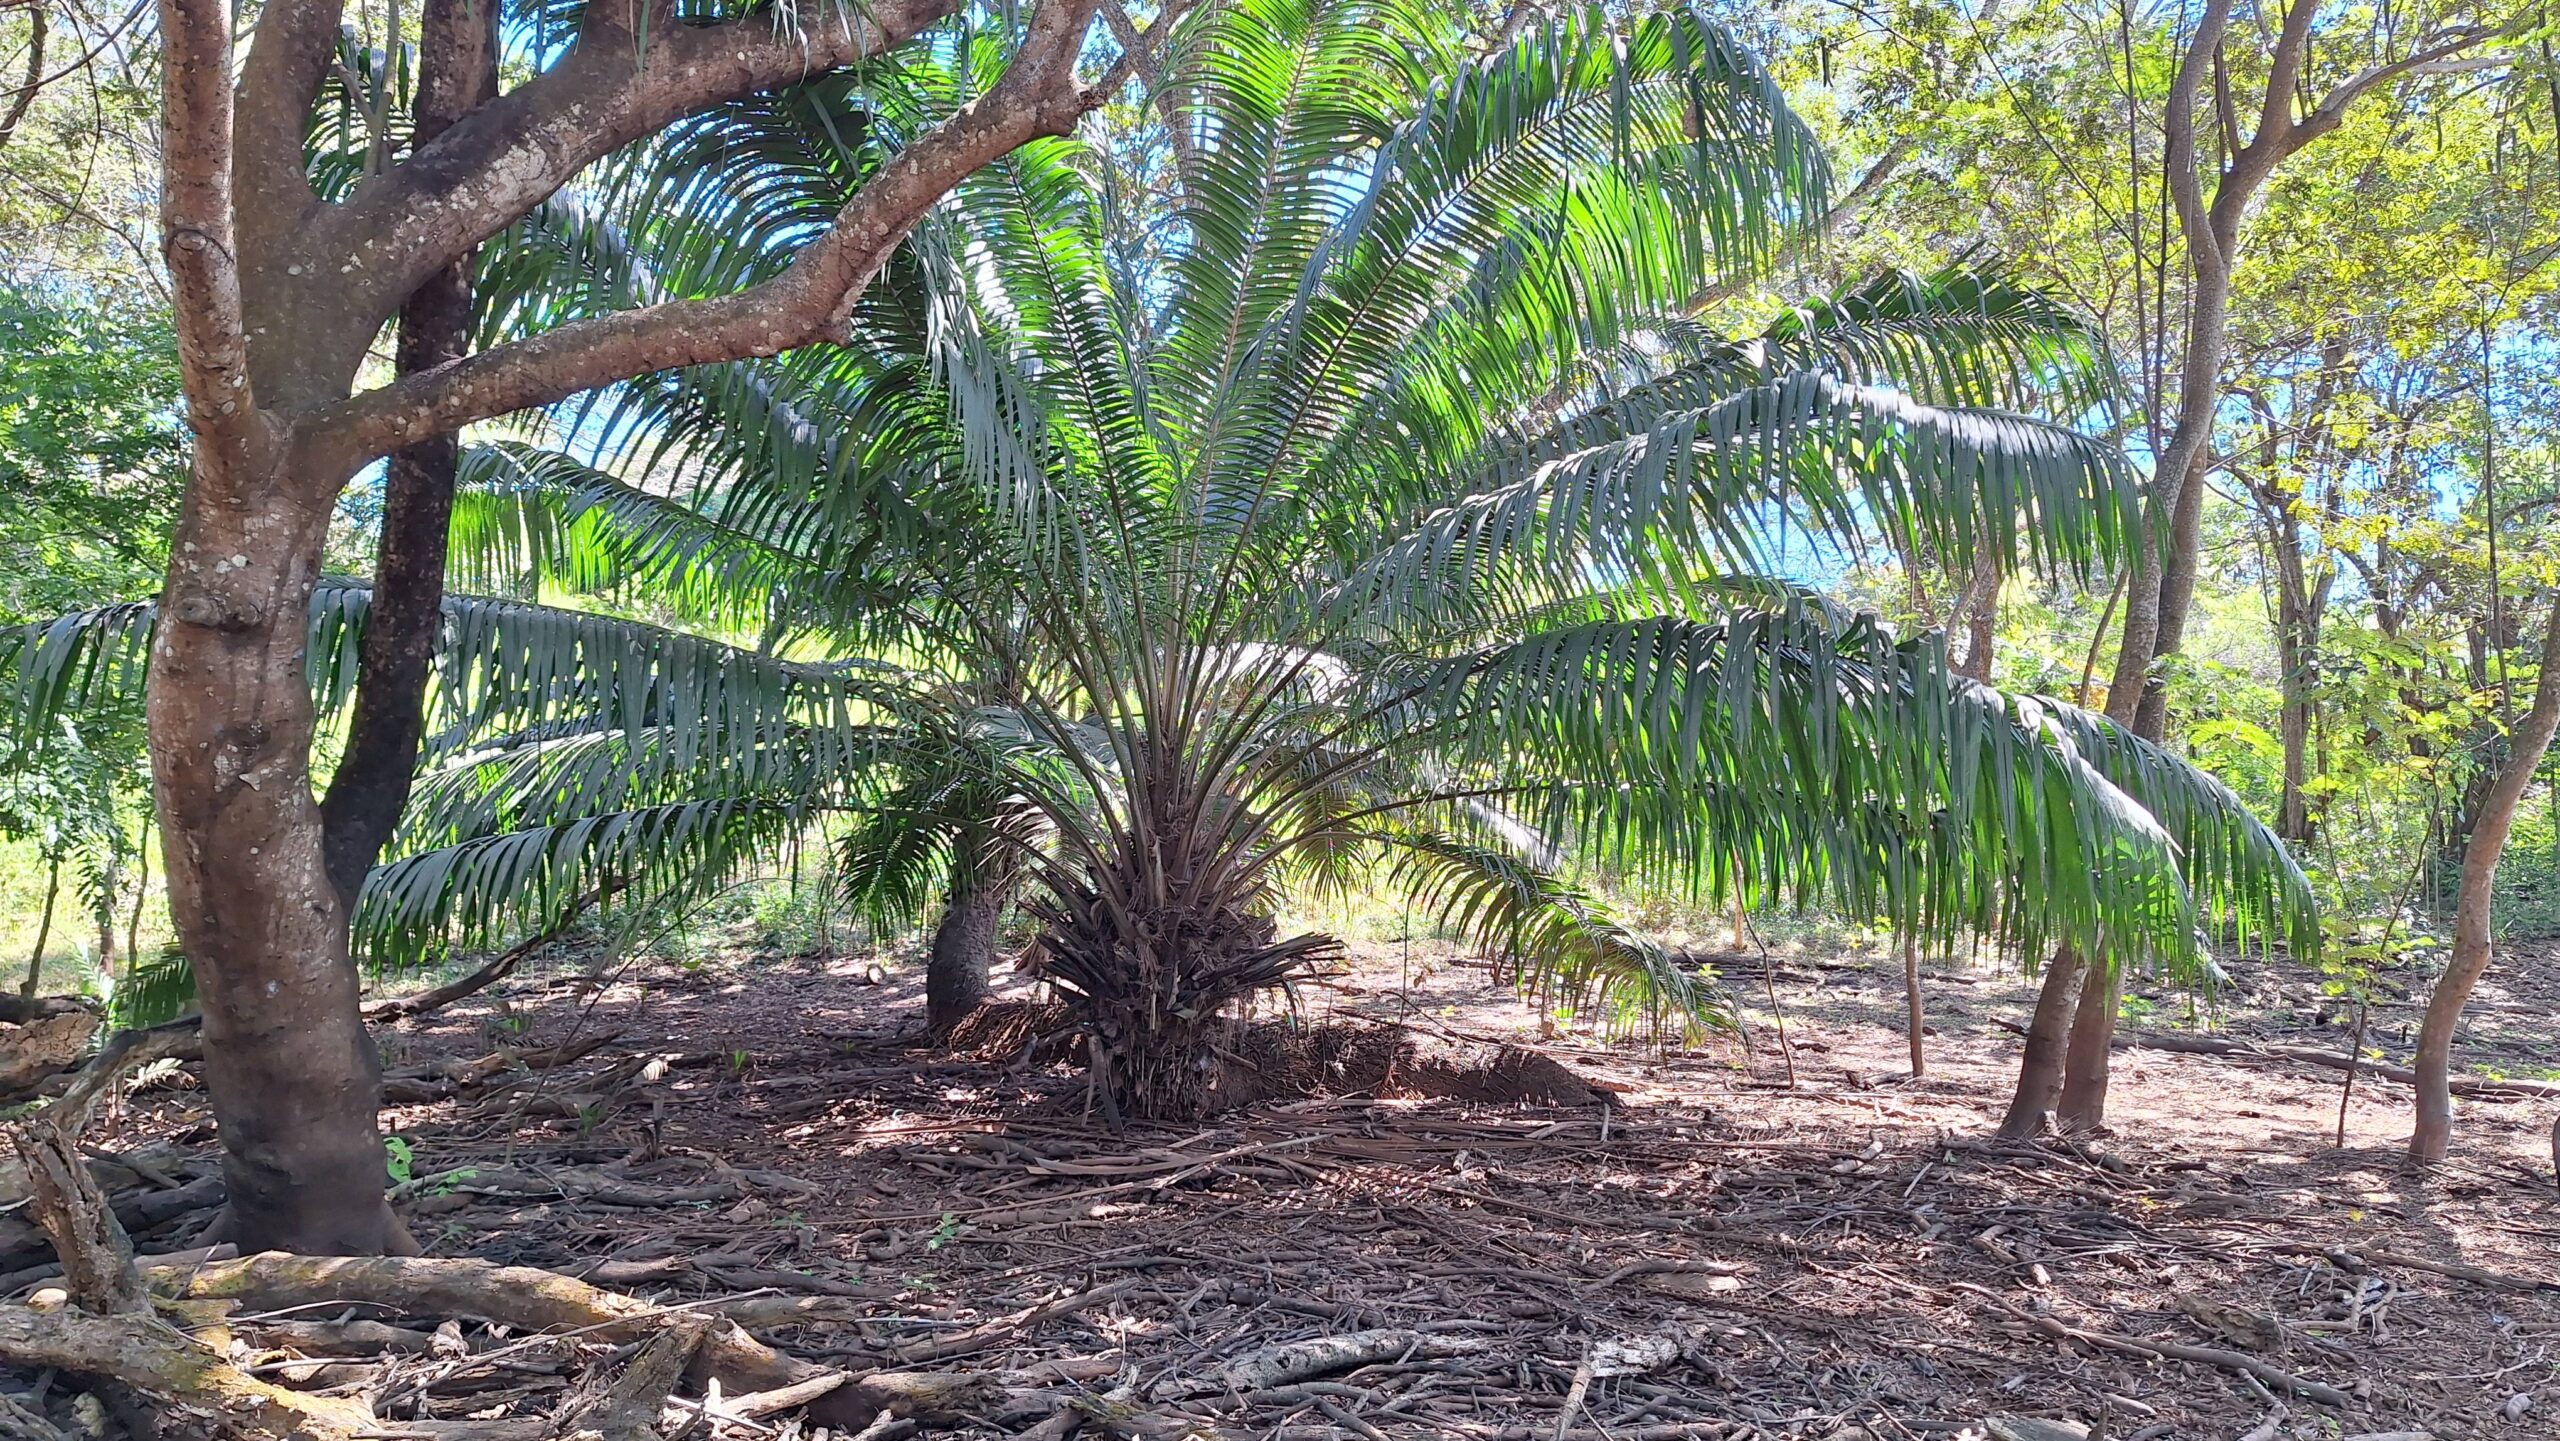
[2471, 919]
[277, 297]
[964, 949]
[2048, 1033]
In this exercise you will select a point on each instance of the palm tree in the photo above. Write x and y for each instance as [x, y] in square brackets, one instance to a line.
[1395, 516]
[1404, 517]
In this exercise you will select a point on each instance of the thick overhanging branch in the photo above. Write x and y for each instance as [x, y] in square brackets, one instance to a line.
[808, 301]
[506, 157]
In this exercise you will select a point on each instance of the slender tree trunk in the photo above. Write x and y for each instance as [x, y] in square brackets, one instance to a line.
[2471, 920]
[964, 950]
[1978, 607]
[141, 897]
[44, 931]
[2048, 1033]
[458, 69]
[1913, 1022]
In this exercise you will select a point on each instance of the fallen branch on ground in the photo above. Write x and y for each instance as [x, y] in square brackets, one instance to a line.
[140, 1351]
[500, 966]
[97, 1259]
[2480, 1086]
[2357, 1258]
[534, 1300]
[2280, 1379]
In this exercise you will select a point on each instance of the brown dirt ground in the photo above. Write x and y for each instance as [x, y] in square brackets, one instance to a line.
[1842, 1253]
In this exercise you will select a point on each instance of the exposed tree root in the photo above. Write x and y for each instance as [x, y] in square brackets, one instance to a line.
[535, 1300]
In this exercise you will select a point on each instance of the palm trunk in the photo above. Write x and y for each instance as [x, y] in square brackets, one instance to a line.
[2040, 1069]
[2083, 1104]
[44, 932]
[964, 948]
[2471, 921]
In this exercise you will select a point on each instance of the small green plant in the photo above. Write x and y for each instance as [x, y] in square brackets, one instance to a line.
[738, 1059]
[400, 1159]
[944, 1231]
[451, 1181]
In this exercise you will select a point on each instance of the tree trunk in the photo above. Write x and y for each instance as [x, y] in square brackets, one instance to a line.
[276, 298]
[2083, 1104]
[1978, 607]
[1912, 1021]
[141, 898]
[964, 949]
[2471, 921]
[292, 1074]
[44, 932]
[2040, 1069]
[458, 57]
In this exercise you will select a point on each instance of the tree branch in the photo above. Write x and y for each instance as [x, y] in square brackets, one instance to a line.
[196, 226]
[808, 301]
[1142, 55]
[504, 158]
[2443, 57]
[26, 93]
[289, 57]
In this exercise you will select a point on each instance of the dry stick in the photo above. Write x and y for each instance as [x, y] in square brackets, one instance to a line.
[1769, 983]
[2313, 1391]
[1573, 1398]
[2355, 1058]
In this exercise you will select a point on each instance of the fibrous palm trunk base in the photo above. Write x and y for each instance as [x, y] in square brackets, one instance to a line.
[1157, 990]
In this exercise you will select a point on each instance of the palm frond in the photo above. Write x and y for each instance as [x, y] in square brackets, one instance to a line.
[1556, 942]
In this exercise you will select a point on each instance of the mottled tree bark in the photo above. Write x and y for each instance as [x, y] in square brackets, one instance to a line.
[277, 296]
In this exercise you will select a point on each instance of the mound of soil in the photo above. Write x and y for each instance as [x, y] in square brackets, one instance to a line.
[1272, 1060]
[1261, 1061]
